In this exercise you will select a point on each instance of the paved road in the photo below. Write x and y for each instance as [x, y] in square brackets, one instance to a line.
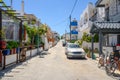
[55, 66]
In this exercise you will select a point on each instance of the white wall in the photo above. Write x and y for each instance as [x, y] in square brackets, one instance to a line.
[107, 50]
[28, 53]
[84, 26]
[114, 11]
[112, 39]
[88, 45]
[12, 58]
[34, 52]
[46, 44]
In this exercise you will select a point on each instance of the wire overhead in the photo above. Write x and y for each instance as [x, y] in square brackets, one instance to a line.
[63, 21]
[74, 6]
[67, 17]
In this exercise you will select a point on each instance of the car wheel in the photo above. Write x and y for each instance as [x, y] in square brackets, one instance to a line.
[68, 57]
[65, 53]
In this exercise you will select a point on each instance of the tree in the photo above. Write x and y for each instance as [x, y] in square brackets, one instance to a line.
[35, 33]
[42, 29]
[96, 38]
[86, 37]
[31, 31]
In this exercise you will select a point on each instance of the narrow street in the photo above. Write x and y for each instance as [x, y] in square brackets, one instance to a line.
[55, 66]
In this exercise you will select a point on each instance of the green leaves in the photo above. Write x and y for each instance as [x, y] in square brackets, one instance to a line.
[12, 44]
[35, 31]
[88, 38]
[3, 36]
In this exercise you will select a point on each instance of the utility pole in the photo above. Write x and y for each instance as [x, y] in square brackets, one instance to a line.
[11, 3]
[70, 27]
[65, 35]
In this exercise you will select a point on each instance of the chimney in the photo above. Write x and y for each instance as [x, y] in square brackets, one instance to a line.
[22, 11]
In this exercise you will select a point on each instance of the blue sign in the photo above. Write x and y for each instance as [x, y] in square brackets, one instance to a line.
[74, 23]
[74, 32]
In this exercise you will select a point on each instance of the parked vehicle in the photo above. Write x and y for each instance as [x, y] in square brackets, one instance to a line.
[64, 43]
[74, 51]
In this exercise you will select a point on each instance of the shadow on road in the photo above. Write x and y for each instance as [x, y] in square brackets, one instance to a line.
[9, 69]
[116, 75]
[13, 68]
[77, 58]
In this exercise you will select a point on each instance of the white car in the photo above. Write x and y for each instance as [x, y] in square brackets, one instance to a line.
[74, 51]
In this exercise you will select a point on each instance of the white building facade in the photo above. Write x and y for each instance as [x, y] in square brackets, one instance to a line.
[85, 22]
[112, 14]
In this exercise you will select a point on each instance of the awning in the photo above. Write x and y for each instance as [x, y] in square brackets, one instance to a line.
[105, 27]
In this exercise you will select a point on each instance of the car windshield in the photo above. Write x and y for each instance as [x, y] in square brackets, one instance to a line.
[74, 46]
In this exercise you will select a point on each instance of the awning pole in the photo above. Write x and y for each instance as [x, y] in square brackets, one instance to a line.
[100, 43]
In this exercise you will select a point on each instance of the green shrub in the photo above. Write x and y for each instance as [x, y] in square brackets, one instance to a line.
[8, 47]
[42, 43]
[13, 44]
[79, 42]
[72, 41]
[86, 50]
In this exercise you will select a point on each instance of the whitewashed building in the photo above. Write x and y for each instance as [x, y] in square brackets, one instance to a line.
[112, 14]
[85, 22]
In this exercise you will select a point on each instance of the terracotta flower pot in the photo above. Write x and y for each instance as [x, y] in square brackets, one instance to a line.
[14, 50]
[11, 51]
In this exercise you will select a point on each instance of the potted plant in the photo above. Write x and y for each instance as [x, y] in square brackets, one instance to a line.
[7, 50]
[12, 44]
[15, 46]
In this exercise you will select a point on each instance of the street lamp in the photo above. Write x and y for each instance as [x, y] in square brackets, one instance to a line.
[38, 35]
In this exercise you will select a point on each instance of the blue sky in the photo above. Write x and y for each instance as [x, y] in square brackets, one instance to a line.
[54, 13]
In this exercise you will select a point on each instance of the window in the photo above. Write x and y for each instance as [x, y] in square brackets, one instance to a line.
[118, 2]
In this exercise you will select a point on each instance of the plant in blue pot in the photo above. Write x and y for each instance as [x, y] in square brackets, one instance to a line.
[7, 50]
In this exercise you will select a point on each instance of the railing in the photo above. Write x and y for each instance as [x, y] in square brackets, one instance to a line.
[9, 60]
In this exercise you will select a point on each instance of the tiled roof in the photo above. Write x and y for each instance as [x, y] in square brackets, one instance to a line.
[105, 27]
